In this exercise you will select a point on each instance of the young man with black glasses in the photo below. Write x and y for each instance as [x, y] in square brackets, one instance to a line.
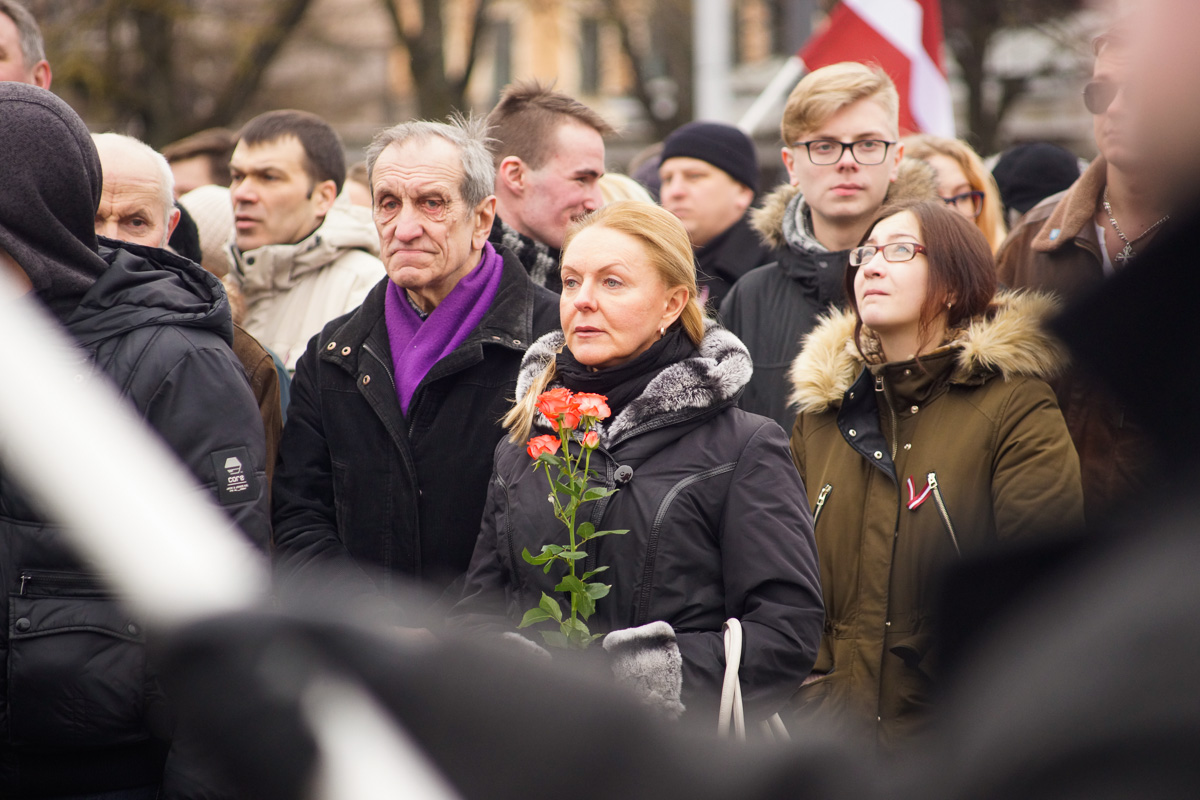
[840, 131]
[1073, 241]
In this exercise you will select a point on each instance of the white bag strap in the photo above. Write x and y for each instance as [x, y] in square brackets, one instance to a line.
[731, 710]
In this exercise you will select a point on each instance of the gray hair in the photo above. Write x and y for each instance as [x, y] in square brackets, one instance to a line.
[166, 178]
[468, 134]
[33, 49]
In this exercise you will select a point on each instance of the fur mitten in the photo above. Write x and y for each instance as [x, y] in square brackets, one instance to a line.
[647, 659]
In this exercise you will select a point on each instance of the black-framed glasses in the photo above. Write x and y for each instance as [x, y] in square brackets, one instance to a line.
[894, 252]
[969, 204]
[868, 152]
[1098, 96]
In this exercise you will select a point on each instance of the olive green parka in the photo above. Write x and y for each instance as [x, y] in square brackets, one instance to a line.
[978, 432]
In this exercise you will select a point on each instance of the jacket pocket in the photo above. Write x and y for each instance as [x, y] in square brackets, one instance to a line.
[943, 512]
[76, 665]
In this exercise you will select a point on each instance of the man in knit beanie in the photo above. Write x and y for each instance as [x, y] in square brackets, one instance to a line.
[709, 175]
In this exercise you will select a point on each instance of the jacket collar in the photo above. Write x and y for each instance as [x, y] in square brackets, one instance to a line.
[712, 380]
[275, 268]
[1074, 211]
[508, 323]
[1010, 340]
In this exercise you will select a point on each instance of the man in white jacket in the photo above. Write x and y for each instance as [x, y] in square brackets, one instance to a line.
[299, 258]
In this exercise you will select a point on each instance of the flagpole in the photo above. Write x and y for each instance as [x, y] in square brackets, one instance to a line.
[712, 21]
[779, 87]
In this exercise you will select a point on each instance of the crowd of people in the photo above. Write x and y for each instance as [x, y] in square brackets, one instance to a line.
[819, 400]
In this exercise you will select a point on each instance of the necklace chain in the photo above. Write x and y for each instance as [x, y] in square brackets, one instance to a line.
[1127, 253]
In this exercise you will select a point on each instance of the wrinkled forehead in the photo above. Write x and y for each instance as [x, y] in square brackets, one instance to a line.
[433, 162]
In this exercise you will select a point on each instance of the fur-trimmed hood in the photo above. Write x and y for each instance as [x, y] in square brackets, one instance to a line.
[1010, 340]
[712, 379]
[916, 180]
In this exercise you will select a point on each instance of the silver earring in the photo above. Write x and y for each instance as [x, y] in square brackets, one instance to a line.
[662, 331]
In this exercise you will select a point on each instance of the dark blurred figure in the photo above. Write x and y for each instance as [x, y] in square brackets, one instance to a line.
[80, 713]
[201, 159]
[1027, 174]
[1073, 242]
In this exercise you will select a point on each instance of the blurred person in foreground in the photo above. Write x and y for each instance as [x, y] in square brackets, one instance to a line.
[1072, 242]
[396, 406]
[709, 178]
[929, 396]
[717, 519]
[22, 51]
[299, 258]
[843, 157]
[548, 150]
[82, 715]
[136, 207]
[963, 182]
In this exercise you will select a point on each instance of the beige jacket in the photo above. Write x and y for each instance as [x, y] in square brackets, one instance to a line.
[292, 290]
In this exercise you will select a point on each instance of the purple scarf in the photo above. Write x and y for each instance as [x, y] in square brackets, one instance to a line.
[416, 345]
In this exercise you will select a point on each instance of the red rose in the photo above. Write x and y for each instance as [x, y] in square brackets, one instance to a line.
[543, 444]
[591, 440]
[559, 407]
[593, 405]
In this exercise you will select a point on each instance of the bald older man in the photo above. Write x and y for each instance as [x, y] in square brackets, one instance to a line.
[137, 205]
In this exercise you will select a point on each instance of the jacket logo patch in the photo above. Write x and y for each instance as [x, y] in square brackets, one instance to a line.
[236, 480]
[914, 499]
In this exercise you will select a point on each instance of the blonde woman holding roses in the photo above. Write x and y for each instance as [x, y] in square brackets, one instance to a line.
[717, 518]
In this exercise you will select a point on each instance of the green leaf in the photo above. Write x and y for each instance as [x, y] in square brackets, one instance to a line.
[563, 488]
[552, 460]
[552, 549]
[598, 534]
[551, 607]
[596, 571]
[546, 569]
[572, 555]
[585, 530]
[532, 559]
[571, 584]
[597, 590]
[577, 625]
[532, 617]
[596, 494]
[555, 639]
[585, 605]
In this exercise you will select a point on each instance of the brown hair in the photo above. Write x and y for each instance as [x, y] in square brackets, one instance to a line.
[824, 92]
[324, 159]
[215, 144]
[669, 250]
[991, 219]
[527, 117]
[962, 269]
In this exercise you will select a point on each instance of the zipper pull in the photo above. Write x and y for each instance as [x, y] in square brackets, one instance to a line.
[932, 478]
[24, 578]
[879, 383]
[824, 493]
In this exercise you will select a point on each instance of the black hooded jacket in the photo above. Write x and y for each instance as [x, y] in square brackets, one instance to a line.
[79, 711]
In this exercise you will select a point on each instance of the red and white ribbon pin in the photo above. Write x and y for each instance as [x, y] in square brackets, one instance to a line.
[914, 499]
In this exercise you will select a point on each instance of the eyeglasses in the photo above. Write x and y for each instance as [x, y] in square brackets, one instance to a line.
[893, 253]
[1098, 96]
[969, 204]
[868, 152]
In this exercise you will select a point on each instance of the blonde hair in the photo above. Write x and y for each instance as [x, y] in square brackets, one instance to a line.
[614, 186]
[991, 219]
[824, 92]
[668, 248]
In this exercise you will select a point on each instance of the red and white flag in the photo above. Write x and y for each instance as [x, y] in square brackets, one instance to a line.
[905, 38]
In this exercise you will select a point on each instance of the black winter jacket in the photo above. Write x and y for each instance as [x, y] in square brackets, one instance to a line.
[718, 524]
[727, 258]
[79, 712]
[360, 483]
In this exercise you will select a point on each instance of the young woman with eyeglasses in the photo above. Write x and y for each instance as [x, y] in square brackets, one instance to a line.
[926, 434]
[963, 182]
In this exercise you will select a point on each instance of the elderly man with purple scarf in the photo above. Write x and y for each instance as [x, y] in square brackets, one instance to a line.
[387, 452]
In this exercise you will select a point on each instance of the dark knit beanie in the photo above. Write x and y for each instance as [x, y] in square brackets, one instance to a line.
[1029, 173]
[723, 146]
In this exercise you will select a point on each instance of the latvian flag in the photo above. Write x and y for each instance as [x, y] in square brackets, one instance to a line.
[905, 38]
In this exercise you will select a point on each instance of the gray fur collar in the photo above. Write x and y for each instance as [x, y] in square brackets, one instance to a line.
[714, 378]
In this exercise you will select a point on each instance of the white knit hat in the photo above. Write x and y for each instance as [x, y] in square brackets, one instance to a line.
[212, 210]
